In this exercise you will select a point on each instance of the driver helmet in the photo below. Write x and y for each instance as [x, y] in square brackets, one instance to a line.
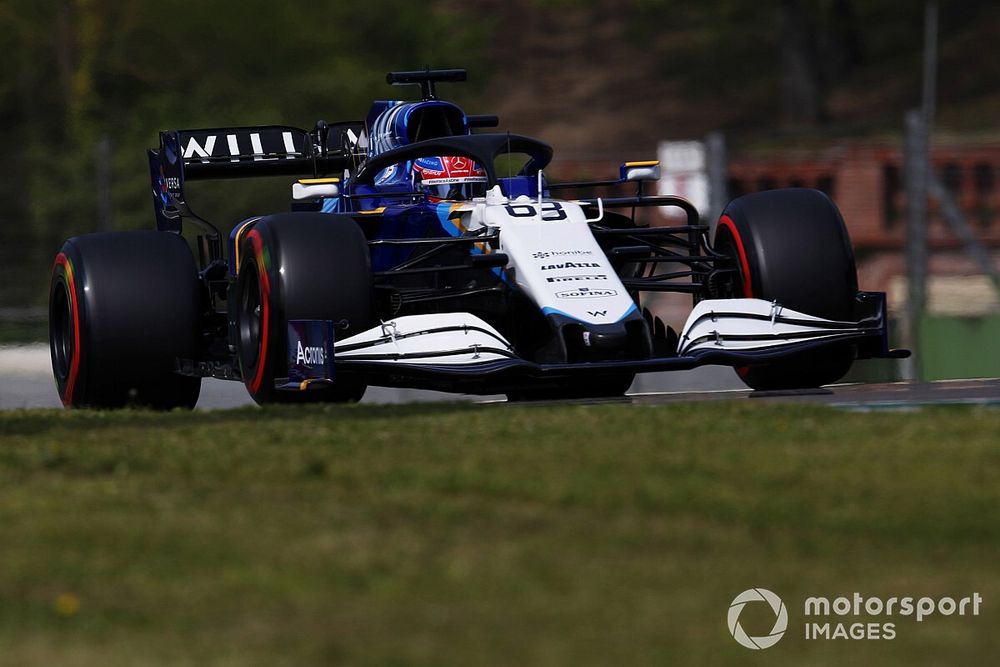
[451, 178]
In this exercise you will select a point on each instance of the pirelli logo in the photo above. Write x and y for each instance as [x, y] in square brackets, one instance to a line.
[570, 279]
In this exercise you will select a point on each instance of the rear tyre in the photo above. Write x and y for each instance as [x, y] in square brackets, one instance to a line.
[123, 308]
[300, 266]
[791, 246]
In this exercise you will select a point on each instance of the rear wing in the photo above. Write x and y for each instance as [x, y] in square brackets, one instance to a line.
[245, 152]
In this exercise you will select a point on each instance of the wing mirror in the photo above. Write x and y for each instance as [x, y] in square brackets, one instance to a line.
[648, 170]
[311, 189]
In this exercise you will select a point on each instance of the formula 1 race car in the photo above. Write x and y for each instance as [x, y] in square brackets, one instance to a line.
[421, 251]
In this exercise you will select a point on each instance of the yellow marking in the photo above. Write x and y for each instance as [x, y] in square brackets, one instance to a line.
[304, 385]
[645, 163]
[318, 181]
[380, 209]
[236, 244]
[456, 219]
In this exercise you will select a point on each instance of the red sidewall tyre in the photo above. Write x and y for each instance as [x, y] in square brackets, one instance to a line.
[791, 246]
[124, 307]
[300, 266]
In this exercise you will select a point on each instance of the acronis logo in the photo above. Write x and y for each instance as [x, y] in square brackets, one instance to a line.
[309, 355]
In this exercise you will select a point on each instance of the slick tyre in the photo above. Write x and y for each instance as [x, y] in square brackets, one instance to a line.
[299, 266]
[791, 246]
[123, 308]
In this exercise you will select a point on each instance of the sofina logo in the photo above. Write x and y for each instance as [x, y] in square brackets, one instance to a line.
[780, 622]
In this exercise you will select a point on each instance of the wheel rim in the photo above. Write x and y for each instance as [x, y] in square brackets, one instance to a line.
[61, 332]
[733, 285]
[250, 320]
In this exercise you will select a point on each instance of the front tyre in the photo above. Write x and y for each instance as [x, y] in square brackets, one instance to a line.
[791, 246]
[123, 308]
[299, 266]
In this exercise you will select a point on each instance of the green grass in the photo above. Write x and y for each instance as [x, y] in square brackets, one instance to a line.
[488, 535]
[23, 331]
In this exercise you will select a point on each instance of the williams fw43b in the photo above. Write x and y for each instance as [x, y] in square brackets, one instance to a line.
[423, 250]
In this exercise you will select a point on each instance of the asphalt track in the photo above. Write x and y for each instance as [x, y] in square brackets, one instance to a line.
[26, 382]
[890, 395]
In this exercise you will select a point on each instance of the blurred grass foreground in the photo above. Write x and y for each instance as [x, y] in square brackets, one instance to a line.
[488, 535]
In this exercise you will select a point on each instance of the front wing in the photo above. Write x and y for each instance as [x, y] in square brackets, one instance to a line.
[459, 352]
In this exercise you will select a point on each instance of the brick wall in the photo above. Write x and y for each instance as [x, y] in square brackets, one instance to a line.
[865, 179]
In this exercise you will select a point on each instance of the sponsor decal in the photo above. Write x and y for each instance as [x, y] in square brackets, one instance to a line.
[597, 313]
[586, 293]
[569, 279]
[310, 350]
[571, 265]
[309, 355]
[204, 148]
[545, 254]
[446, 181]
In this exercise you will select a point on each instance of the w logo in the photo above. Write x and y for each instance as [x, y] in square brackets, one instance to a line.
[597, 313]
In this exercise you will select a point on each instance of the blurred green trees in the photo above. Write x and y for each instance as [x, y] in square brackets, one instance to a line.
[79, 73]
[82, 77]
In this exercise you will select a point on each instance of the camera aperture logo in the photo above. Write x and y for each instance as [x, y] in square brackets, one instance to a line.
[780, 620]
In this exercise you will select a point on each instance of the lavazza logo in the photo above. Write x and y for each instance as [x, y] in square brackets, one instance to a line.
[571, 265]
[823, 615]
